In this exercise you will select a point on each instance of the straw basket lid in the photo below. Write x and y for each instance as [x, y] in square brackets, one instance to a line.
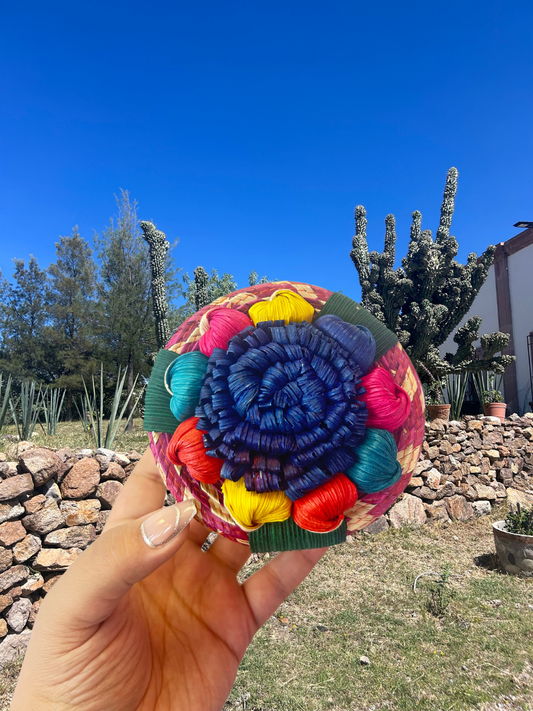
[291, 418]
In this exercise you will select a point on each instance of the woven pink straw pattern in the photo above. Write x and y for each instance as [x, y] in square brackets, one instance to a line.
[209, 496]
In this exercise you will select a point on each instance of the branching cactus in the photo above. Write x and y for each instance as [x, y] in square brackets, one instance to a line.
[425, 299]
[158, 246]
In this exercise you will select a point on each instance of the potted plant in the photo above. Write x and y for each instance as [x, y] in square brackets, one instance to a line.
[513, 539]
[490, 395]
[436, 408]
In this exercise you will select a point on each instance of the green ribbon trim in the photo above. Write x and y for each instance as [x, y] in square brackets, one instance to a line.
[287, 536]
[351, 312]
[157, 414]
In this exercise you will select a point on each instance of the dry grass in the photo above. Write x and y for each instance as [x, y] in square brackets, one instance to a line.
[71, 434]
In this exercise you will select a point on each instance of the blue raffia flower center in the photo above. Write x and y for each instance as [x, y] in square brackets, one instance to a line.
[281, 407]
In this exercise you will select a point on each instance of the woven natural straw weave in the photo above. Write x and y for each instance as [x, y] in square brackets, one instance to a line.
[211, 510]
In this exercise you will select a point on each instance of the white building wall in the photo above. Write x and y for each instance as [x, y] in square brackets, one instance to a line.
[521, 287]
[484, 306]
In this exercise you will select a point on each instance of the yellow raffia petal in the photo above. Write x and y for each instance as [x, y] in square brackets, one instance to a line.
[283, 305]
[251, 510]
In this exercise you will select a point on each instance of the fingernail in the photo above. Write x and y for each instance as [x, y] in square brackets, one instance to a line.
[167, 523]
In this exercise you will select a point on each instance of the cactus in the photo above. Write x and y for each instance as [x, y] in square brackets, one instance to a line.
[158, 247]
[425, 299]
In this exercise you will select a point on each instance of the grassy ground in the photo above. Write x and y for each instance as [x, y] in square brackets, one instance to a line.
[469, 648]
[71, 434]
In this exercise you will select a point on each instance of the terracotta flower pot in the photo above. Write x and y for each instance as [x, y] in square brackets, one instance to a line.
[515, 551]
[495, 409]
[438, 412]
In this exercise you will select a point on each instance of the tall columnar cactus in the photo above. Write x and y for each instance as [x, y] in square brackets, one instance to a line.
[425, 299]
[201, 290]
[158, 246]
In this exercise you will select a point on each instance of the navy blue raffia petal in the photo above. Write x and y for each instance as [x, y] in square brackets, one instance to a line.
[280, 405]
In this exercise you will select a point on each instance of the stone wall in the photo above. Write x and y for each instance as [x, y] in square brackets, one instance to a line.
[53, 504]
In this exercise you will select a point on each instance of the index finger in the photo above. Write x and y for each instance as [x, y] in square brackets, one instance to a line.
[143, 493]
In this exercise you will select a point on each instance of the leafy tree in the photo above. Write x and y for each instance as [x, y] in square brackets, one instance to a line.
[72, 309]
[425, 299]
[127, 323]
[254, 279]
[25, 314]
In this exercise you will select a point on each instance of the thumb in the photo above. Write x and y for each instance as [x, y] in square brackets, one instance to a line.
[95, 583]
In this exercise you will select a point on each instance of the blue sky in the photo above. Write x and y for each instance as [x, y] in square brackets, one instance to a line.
[251, 130]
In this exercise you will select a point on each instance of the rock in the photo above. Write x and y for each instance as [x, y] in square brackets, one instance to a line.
[515, 496]
[492, 454]
[47, 519]
[481, 508]
[365, 661]
[432, 453]
[415, 482]
[33, 583]
[422, 466]
[28, 547]
[490, 420]
[409, 510]
[378, 526]
[16, 574]
[71, 537]
[13, 646]
[6, 558]
[49, 584]
[427, 493]
[114, 471]
[445, 447]
[66, 453]
[49, 559]
[528, 433]
[3, 457]
[34, 504]
[468, 492]
[3, 628]
[447, 489]
[485, 492]
[18, 614]
[10, 510]
[433, 479]
[82, 453]
[102, 520]
[7, 599]
[499, 488]
[11, 532]
[82, 480]
[474, 425]
[492, 438]
[121, 459]
[51, 491]
[459, 509]
[133, 455]
[8, 469]
[78, 513]
[33, 613]
[437, 511]
[16, 486]
[107, 493]
[42, 464]
[505, 476]
[104, 457]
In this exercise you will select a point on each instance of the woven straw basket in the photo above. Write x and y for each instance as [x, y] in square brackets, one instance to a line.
[389, 354]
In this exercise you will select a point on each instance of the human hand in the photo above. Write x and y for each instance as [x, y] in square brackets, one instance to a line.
[133, 627]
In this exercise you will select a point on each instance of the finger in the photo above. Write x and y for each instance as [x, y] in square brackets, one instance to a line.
[122, 556]
[269, 587]
[143, 493]
[232, 554]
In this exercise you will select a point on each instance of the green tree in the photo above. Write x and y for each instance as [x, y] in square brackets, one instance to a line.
[25, 352]
[127, 323]
[204, 289]
[72, 311]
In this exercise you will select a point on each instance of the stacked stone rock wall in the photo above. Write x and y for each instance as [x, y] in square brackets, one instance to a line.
[53, 504]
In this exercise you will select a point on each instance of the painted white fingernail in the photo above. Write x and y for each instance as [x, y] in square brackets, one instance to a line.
[164, 525]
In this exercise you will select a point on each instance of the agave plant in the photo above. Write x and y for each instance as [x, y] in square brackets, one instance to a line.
[96, 415]
[27, 408]
[4, 404]
[52, 405]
